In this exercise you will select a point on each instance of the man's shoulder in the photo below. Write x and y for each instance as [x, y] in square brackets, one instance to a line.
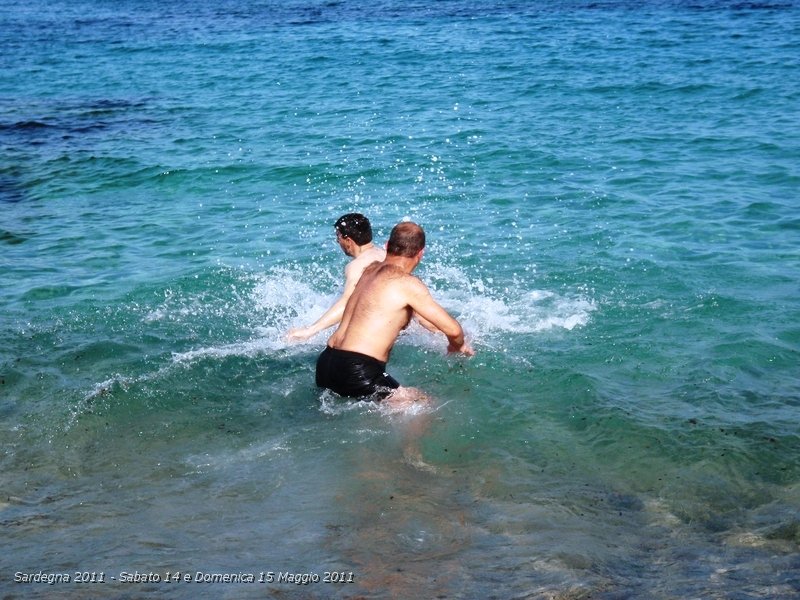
[384, 275]
[402, 279]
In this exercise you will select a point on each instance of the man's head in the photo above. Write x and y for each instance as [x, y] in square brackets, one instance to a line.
[354, 226]
[407, 239]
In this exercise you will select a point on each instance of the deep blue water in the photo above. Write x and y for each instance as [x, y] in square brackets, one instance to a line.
[610, 193]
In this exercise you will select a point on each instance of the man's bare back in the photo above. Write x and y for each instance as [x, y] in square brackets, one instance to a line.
[376, 312]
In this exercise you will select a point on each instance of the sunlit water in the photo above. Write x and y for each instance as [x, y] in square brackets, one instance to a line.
[610, 194]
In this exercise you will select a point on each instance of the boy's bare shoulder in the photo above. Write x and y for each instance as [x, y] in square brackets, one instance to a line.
[369, 257]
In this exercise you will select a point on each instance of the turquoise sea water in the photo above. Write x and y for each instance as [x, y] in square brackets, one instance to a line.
[611, 195]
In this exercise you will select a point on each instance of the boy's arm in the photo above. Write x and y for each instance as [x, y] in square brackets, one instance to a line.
[333, 315]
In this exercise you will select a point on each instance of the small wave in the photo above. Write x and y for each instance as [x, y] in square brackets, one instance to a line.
[249, 348]
[119, 382]
[7, 237]
[111, 385]
[24, 125]
[223, 460]
[105, 387]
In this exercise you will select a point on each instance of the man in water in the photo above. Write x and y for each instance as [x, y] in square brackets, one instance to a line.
[382, 304]
[354, 235]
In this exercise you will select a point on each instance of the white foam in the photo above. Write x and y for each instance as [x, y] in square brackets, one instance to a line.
[288, 299]
[290, 289]
[386, 409]
[249, 348]
[176, 308]
[521, 313]
[488, 312]
[282, 298]
[104, 387]
[333, 405]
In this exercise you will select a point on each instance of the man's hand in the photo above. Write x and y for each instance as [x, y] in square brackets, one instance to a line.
[464, 349]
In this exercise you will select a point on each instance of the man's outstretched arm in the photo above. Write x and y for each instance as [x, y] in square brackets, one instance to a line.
[434, 317]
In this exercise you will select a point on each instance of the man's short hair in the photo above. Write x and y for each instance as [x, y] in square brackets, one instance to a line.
[356, 227]
[406, 239]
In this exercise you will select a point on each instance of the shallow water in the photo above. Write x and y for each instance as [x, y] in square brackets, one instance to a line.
[610, 196]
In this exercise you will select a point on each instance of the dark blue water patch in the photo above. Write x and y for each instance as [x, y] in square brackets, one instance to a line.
[11, 190]
[23, 134]
[334, 11]
[24, 125]
[53, 123]
[789, 224]
[8, 237]
[757, 6]
[68, 174]
[722, 5]
[763, 210]
[111, 106]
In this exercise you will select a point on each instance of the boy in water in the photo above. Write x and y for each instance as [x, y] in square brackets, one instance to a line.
[354, 235]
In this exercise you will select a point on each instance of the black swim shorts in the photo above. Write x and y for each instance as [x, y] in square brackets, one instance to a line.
[354, 374]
